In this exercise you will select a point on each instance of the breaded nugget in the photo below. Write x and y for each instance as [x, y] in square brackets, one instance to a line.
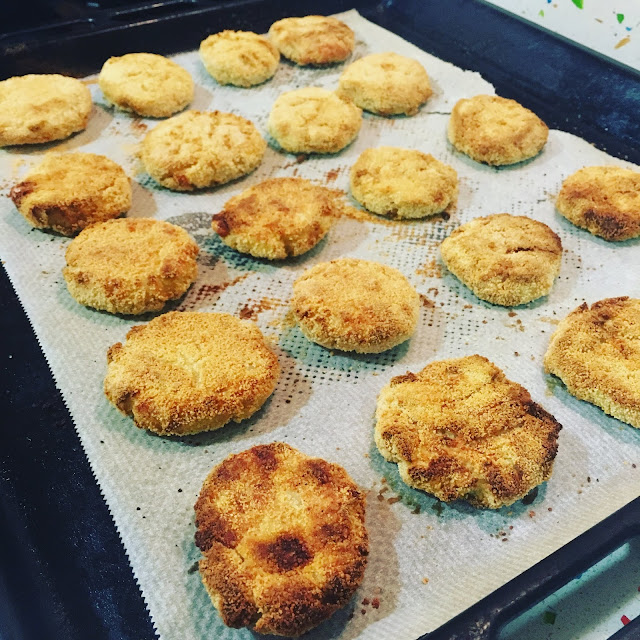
[313, 39]
[603, 200]
[403, 183]
[283, 538]
[595, 351]
[459, 429]
[313, 120]
[70, 191]
[504, 259]
[386, 84]
[130, 266]
[277, 218]
[496, 130]
[147, 84]
[241, 58]
[355, 305]
[198, 149]
[42, 108]
[187, 372]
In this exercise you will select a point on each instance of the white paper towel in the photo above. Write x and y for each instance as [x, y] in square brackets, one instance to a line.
[426, 558]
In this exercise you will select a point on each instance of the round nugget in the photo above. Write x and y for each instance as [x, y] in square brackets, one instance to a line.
[403, 183]
[70, 191]
[313, 39]
[313, 120]
[42, 108]
[277, 218]
[460, 430]
[504, 259]
[130, 266]
[147, 84]
[198, 149]
[603, 200]
[355, 305]
[241, 58]
[496, 130]
[283, 538]
[386, 84]
[595, 351]
[187, 372]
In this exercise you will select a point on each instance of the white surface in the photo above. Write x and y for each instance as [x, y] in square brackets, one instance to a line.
[610, 27]
[324, 403]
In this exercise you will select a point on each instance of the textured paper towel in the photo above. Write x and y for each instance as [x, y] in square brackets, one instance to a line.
[324, 403]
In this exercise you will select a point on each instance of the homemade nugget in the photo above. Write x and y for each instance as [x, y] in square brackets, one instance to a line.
[459, 429]
[403, 183]
[131, 265]
[504, 259]
[240, 58]
[147, 84]
[70, 191]
[603, 200]
[42, 108]
[595, 351]
[277, 218]
[386, 83]
[355, 305]
[495, 130]
[187, 372]
[199, 149]
[313, 40]
[313, 120]
[283, 537]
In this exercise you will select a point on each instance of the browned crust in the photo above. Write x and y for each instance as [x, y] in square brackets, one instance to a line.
[313, 40]
[504, 259]
[186, 372]
[278, 218]
[276, 564]
[70, 191]
[355, 305]
[460, 429]
[496, 130]
[603, 200]
[595, 351]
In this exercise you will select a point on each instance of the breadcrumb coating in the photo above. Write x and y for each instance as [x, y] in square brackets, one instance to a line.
[283, 538]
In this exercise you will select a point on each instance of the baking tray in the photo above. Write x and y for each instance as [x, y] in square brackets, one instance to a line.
[64, 571]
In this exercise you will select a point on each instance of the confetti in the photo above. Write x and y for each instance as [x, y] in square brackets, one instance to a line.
[625, 621]
[578, 3]
[623, 42]
[619, 17]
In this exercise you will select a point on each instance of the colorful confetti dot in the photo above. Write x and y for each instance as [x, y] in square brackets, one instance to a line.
[578, 3]
[541, 13]
[623, 42]
[620, 17]
[625, 621]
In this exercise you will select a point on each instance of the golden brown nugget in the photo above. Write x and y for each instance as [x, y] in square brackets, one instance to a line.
[42, 108]
[403, 183]
[130, 266]
[277, 218]
[355, 305]
[504, 259]
[595, 351]
[240, 58]
[603, 200]
[199, 149]
[313, 39]
[386, 84]
[313, 120]
[460, 430]
[187, 372]
[147, 84]
[68, 192]
[496, 130]
[283, 539]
